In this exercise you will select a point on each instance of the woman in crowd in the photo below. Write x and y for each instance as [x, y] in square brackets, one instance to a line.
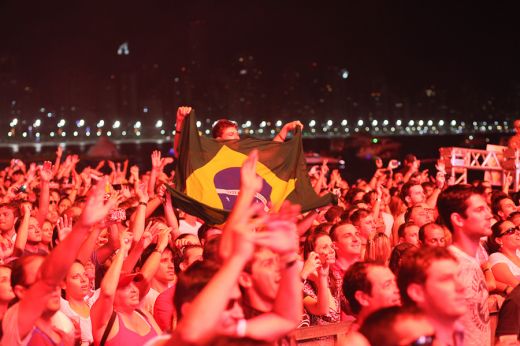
[321, 297]
[74, 305]
[503, 244]
[116, 319]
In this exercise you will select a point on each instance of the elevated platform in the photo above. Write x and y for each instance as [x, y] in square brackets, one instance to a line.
[497, 162]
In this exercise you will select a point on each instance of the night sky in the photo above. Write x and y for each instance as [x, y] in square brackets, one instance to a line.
[394, 47]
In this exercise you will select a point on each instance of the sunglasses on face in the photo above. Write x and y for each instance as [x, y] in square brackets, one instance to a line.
[53, 202]
[509, 231]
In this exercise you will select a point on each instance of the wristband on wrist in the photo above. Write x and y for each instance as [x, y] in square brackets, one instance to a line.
[143, 203]
[241, 328]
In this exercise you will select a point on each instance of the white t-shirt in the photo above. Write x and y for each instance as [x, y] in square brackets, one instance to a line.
[185, 227]
[498, 257]
[477, 331]
[84, 322]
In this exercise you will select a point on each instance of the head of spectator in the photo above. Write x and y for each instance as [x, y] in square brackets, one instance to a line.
[418, 214]
[347, 243]
[54, 199]
[6, 291]
[354, 194]
[408, 233]
[207, 232]
[333, 215]
[515, 218]
[9, 212]
[432, 235]
[76, 283]
[369, 287]
[47, 230]
[192, 282]
[503, 206]
[260, 279]
[466, 214]
[63, 205]
[225, 129]
[364, 222]
[428, 188]
[320, 243]
[505, 237]
[184, 257]
[398, 326]
[25, 273]
[379, 249]
[485, 189]
[427, 278]
[398, 252]
[412, 193]
[324, 227]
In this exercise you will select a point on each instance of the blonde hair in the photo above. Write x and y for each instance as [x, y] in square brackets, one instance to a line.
[379, 249]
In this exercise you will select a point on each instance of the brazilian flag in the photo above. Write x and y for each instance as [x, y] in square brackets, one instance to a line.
[207, 176]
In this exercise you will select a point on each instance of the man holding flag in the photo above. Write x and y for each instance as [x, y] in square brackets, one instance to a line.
[207, 175]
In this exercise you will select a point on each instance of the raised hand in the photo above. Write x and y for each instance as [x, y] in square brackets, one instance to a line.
[46, 174]
[112, 165]
[141, 193]
[156, 159]
[134, 171]
[182, 112]
[393, 164]
[64, 226]
[248, 177]
[125, 241]
[96, 209]
[292, 125]
[280, 236]
[379, 163]
[441, 166]
[311, 265]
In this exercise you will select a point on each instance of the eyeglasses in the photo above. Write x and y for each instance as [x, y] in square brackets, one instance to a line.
[509, 231]
[425, 340]
[53, 202]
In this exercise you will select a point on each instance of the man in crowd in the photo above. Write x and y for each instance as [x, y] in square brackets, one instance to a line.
[428, 279]
[503, 206]
[467, 215]
[369, 287]
[432, 234]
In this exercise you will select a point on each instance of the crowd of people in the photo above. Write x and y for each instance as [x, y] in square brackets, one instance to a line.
[99, 255]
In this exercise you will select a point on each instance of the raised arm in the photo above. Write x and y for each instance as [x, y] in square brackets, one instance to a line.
[23, 229]
[58, 262]
[182, 112]
[211, 302]
[250, 184]
[280, 137]
[45, 179]
[104, 305]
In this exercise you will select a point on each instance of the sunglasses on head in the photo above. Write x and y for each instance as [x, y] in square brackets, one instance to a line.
[509, 231]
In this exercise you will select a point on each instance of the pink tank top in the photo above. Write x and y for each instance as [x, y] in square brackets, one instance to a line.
[126, 336]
